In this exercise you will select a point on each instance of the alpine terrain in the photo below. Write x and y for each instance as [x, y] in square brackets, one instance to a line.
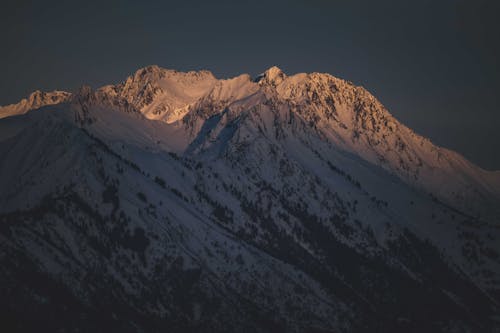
[179, 202]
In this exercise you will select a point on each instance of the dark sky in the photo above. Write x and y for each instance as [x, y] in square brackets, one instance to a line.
[434, 64]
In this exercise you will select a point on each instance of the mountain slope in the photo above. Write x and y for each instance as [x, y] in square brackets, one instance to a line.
[346, 115]
[285, 203]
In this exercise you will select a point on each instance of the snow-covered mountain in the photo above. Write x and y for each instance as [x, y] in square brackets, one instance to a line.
[34, 101]
[282, 203]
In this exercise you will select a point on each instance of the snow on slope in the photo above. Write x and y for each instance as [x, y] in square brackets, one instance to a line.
[286, 203]
[354, 120]
[163, 94]
[345, 115]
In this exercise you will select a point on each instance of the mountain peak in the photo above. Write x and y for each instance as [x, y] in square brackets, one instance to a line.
[273, 72]
[35, 100]
[149, 73]
[155, 72]
[35, 94]
[272, 76]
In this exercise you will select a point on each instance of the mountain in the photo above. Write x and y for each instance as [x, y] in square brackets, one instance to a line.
[36, 100]
[182, 202]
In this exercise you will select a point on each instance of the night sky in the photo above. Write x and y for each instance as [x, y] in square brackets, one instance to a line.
[434, 64]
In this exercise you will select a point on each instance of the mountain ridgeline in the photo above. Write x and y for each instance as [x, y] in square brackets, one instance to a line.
[181, 202]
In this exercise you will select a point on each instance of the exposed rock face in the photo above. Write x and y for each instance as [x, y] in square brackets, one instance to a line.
[179, 202]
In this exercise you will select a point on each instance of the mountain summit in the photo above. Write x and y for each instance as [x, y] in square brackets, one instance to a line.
[35, 100]
[273, 76]
[285, 203]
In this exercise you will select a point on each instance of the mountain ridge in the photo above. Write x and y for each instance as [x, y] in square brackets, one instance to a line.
[242, 204]
[354, 119]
